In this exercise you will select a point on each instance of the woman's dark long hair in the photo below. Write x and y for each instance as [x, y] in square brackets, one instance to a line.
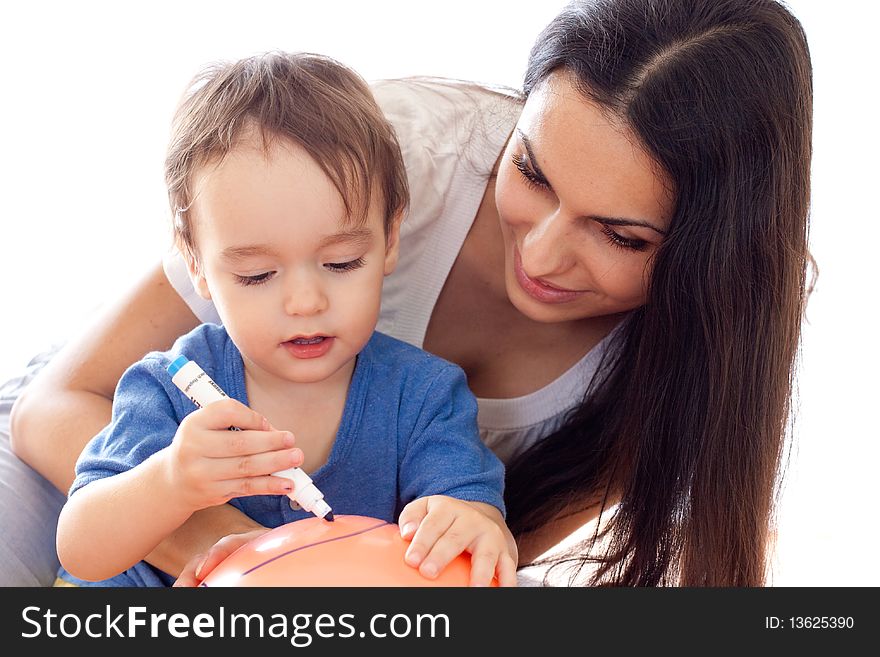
[688, 425]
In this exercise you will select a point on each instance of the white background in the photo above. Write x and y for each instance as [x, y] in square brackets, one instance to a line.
[88, 93]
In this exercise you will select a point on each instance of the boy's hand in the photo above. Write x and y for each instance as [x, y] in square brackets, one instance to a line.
[207, 464]
[440, 528]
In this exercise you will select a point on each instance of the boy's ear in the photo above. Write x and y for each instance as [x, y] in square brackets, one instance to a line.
[197, 276]
[392, 243]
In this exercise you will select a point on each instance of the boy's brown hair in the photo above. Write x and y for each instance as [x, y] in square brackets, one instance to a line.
[321, 105]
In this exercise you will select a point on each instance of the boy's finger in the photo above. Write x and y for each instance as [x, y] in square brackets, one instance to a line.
[229, 413]
[447, 548]
[483, 565]
[247, 486]
[222, 444]
[411, 516]
[506, 570]
[254, 466]
[430, 529]
[435, 544]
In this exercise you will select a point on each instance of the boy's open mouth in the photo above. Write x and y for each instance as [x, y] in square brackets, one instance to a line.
[313, 346]
[315, 340]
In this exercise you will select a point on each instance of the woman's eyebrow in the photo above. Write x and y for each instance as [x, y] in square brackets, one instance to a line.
[614, 221]
[610, 221]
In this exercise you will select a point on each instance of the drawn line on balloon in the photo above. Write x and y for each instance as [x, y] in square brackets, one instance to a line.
[305, 547]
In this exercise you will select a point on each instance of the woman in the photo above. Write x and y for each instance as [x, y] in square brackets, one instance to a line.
[618, 263]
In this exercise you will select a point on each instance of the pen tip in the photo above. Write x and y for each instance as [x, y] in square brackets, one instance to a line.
[329, 516]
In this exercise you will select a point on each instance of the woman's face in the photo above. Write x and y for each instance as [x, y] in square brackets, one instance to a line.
[582, 207]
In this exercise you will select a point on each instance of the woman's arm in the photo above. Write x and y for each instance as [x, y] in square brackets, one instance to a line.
[70, 401]
[198, 535]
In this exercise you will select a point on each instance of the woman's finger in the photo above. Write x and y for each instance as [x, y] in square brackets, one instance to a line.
[187, 577]
[202, 565]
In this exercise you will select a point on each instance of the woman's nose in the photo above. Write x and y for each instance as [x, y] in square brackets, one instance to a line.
[546, 247]
[305, 296]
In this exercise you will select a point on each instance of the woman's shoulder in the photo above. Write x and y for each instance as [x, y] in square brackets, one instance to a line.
[431, 95]
[445, 116]
[398, 363]
[388, 351]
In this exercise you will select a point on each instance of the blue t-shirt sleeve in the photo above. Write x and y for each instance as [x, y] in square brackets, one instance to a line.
[445, 455]
[143, 422]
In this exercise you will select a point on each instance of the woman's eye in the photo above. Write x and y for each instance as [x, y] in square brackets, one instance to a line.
[255, 279]
[351, 265]
[622, 242]
[532, 178]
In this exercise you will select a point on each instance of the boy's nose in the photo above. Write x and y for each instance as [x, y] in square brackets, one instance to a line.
[305, 298]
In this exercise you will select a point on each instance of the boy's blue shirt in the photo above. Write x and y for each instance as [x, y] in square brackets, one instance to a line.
[408, 430]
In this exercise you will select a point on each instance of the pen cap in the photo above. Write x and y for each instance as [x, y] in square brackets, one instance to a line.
[176, 364]
[193, 382]
[305, 493]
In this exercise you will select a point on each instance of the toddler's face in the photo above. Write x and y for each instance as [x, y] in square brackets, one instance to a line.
[297, 285]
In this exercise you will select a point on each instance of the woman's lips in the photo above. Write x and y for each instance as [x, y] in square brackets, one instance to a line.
[311, 348]
[538, 290]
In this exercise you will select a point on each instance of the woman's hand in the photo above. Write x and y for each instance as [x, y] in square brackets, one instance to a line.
[202, 564]
[440, 528]
[207, 464]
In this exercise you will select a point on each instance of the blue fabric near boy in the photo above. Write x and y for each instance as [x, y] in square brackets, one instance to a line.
[408, 430]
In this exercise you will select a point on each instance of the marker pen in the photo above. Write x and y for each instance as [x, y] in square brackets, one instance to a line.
[201, 389]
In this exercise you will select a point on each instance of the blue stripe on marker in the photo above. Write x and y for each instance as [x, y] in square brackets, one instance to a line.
[176, 364]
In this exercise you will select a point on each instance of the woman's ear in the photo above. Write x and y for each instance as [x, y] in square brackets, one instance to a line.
[197, 276]
[392, 243]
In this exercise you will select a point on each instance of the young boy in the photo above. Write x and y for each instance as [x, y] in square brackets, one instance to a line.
[288, 189]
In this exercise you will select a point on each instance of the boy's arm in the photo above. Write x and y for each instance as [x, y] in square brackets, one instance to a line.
[454, 485]
[112, 523]
[444, 454]
[121, 506]
[146, 473]
[205, 465]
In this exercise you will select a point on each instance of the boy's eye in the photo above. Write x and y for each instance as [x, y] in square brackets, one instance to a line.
[351, 265]
[255, 279]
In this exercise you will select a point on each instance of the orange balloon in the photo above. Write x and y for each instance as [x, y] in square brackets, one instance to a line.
[350, 551]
